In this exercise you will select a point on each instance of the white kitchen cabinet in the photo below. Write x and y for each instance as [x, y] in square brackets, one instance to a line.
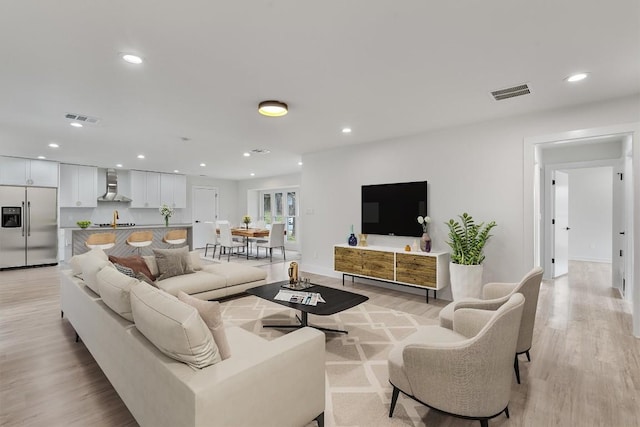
[78, 186]
[38, 173]
[145, 189]
[173, 190]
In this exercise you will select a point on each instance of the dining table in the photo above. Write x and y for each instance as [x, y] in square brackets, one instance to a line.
[249, 233]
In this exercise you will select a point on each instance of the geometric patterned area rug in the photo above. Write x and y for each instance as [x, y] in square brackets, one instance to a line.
[358, 392]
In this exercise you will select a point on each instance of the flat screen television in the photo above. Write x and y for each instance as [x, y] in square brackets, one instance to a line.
[393, 209]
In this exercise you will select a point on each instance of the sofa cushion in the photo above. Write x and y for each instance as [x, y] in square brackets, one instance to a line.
[150, 260]
[174, 327]
[192, 283]
[76, 261]
[114, 289]
[125, 270]
[210, 313]
[236, 274]
[135, 262]
[173, 262]
[143, 278]
[90, 267]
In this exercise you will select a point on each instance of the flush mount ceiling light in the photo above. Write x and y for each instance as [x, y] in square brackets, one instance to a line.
[273, 108]
[577, 77]
[131, 59]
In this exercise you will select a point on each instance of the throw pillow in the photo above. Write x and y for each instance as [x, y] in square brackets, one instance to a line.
[150, 260]
[124, 270]
[90, 268]
[143, 278]
[136, 263]
[174, 327]
[77, 260]
[173, 262]
[210, 313]
[114, 290]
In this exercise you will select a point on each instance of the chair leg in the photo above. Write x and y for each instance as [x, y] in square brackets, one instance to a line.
[484, 423]
[516, 367]
[506, 411]
[320, 420]
[394, 400]
[284, 255]
[270, 254]
[77, 337]
[528, 356]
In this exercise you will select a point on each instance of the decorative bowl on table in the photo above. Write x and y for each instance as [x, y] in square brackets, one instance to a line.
[83, 224]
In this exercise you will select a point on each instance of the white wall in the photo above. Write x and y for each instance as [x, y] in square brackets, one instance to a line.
[477, 168]
[590, 214]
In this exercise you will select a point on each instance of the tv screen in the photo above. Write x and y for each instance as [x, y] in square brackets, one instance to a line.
[393, 209]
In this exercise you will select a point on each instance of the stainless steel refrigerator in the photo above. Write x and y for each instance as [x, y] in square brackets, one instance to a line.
[28, 226]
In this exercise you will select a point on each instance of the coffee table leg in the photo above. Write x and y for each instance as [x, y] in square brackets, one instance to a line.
[304, 321]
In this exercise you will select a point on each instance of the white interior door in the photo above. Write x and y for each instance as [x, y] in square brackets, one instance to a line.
[205, 209]
[561, 223]
[282, 205]
[618, 230]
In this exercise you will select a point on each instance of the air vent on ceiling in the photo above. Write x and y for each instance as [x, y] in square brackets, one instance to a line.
[511, 92]
[260, 151]
[81, 118]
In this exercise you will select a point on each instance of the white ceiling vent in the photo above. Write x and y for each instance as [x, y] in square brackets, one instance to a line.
[260, 151]
[81, 118]
[511, 92]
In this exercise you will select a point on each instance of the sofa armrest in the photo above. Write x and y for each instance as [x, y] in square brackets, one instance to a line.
[284, 384]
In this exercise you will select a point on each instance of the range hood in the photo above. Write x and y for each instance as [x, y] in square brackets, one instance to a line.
[112, 189]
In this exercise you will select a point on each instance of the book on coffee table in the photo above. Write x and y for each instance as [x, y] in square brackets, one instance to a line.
[306, 298]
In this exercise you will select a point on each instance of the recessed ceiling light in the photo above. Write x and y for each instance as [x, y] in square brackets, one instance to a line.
[41, 157]
[119, 165]
[141, 156]
[273, 108]
[203, 164]
[76, 124]
[176, 171]
[576, 77]
[246, 154]
[346, 130]
[252, 174]
[54, 145]
[132, 59]
[299, 163]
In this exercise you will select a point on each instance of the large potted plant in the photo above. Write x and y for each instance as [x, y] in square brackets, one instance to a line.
[467, 240]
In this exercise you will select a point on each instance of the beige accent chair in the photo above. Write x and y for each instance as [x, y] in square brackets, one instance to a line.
[226, 240]
[103, 241]
[140, 239]
[464, 372]
[175, 237]
[276, 240]
[496, 294]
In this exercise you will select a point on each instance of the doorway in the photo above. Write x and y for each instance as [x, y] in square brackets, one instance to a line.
[204, 210]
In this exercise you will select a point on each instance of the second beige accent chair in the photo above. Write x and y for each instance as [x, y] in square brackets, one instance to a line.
[464, 371]
[496, 294]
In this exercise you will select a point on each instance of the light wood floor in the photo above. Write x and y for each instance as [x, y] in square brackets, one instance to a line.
[585, 369]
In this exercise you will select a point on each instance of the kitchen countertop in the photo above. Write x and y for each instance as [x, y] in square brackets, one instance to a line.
[135, 227]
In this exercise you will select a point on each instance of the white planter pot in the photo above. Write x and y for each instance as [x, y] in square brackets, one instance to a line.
[466, 281]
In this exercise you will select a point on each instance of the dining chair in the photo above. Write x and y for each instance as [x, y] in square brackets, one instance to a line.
[276, 240]
[211, 238]
[226, 241]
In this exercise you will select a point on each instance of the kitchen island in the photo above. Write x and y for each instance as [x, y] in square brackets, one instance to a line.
[79, 236]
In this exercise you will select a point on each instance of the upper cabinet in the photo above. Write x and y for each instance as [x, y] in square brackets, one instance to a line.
[173, 190]
[78, 186]
[37, 173]
[145, 189]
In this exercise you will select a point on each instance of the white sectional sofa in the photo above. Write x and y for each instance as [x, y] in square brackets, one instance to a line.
[262, 383]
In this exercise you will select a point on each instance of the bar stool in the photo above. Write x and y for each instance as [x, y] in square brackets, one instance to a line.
[103, 241]
[175, 237]
[140, 239]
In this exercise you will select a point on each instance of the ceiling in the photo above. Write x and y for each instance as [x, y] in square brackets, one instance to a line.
[383, 68]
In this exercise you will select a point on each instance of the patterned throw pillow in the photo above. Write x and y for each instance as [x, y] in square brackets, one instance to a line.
[124, 270]
[136, 263]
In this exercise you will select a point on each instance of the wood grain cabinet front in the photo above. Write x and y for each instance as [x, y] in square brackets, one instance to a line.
[377, 264]
[416, 270]
[347, 260]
